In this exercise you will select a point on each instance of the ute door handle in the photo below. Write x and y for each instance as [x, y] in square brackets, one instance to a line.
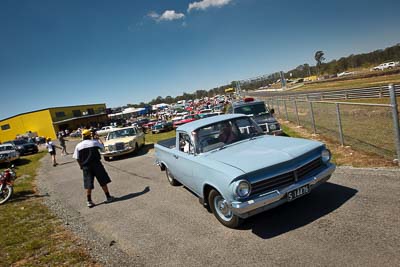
[175, 156]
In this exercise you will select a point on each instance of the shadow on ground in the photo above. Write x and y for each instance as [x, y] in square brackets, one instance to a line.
[16, 163]
[290, 216]
[67, 162]
[24, 195]
[128, 196]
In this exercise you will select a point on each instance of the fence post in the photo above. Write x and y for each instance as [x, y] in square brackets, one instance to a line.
[287, 116]
[277, 104]
[395, 112]
[297, 112]
[312, 118]
[339, 121]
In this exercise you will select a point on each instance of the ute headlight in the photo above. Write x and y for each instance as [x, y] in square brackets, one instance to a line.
[326, 155]
[242, 188]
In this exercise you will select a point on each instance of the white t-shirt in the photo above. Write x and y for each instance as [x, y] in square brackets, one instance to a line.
[49, 146]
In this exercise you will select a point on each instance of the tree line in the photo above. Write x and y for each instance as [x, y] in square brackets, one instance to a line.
[365, 60]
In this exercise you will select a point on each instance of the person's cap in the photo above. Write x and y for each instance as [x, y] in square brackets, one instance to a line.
[86, 133]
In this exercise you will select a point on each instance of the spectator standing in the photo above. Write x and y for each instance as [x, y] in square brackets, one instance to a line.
[51, 147]
[62, 144]
[88, 156]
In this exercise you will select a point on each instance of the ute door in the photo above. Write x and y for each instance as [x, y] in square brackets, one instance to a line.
[184, 160]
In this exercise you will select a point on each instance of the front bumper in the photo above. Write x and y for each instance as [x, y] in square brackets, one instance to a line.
[120, 152]
[275, 198]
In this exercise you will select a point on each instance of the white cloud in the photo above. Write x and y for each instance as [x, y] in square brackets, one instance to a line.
[153, 15]
[168, 15]
[204, 4]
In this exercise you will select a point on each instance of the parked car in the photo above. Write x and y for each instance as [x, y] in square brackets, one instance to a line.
[147, 126]
[186, 119]
[105, 130]
[244, 175]
[345, 73]
[206, 115]
[24, 147]
[387, 65]
[8, 153]
[76, 133]
[257, 109]
[163, 126]
[142, 121]
[123, 141]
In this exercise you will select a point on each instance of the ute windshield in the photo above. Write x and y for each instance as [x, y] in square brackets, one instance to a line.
[220, 134]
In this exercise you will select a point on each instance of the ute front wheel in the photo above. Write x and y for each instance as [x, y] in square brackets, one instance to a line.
[5, 193]
[222, 211]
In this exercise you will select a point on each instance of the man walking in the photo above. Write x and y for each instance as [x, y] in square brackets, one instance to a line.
[61, 140]
[88, 157]
[52, 150]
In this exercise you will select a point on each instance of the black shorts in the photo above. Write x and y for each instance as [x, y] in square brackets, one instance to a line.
[95, 170]
[52, 152]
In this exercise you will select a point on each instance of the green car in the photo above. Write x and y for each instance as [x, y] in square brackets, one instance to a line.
[164, 126]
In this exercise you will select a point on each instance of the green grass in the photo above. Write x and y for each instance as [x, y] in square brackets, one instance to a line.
[363, 126]
[354, 83]
[30, 235]
[289, 132]
[154, 138]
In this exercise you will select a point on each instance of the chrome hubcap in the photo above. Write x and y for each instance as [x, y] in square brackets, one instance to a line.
[169, 175]
[222, 208]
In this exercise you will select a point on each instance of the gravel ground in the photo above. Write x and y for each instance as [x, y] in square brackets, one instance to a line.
[103, 250]
[351, 220]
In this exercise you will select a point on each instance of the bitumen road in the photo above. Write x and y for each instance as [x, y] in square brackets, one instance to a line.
[353, 220]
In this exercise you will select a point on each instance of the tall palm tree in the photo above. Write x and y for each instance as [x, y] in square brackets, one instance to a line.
[319, 57]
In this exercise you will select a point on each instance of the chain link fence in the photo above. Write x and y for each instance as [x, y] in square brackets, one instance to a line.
[369, 127]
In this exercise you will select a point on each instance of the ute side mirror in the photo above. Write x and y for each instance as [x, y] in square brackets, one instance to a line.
[272, 111]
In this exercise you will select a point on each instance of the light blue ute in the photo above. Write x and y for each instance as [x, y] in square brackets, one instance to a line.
[236, 170]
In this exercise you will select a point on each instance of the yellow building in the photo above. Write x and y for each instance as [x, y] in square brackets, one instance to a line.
[47, 122]
[310, 78]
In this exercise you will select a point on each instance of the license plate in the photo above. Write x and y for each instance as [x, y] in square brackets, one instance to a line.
[301, 191]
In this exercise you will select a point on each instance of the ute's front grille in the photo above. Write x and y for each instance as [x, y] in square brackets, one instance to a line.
[286, 178]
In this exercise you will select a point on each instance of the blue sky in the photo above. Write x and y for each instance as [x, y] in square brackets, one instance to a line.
[72, 52]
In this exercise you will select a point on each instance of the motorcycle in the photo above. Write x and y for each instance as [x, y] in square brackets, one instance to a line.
[7, 178]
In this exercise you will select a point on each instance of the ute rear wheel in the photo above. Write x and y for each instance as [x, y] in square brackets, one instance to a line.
[222, 211]
[171, 178]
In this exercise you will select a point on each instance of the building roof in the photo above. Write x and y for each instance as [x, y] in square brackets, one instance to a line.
[79, 118]
[49, 109]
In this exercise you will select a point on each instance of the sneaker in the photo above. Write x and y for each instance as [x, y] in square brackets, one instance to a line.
[90, 204]
[109, 199]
